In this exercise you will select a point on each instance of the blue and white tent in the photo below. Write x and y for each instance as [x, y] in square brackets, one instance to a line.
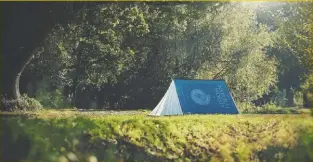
[196, 97]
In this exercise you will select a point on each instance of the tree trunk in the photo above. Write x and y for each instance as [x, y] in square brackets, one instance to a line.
[290, 98]
[78, 70]
[12, 73]
[16, 93]
[26, 25]
[100, 98]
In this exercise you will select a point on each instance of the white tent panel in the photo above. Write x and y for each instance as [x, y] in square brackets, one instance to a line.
[169, 104]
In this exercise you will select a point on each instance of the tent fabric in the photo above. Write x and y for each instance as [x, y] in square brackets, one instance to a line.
[169, 104]
[196, 97]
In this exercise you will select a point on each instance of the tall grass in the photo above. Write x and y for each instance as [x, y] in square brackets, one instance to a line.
[74, 136]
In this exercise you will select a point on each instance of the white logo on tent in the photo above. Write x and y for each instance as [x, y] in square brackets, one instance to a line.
[199, 97]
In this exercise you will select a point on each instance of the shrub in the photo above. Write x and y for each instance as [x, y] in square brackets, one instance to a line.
[24, 104]
[246, 107]
[31, 103]
[269, 108]
[53, 99]
[279, 97]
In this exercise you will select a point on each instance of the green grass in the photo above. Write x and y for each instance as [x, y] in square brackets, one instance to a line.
[71, 135]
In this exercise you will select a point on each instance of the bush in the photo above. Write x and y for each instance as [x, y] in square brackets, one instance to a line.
[31, 103]
[279, 97]
[24, 104]
[272, 108]
[53, 99]
[246, 107]
[269, 108]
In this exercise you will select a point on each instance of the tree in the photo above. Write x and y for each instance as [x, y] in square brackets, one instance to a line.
[154, 53]
[296, 37]
[177, 40]
[92, 50]
[26, 25]
[240, 58]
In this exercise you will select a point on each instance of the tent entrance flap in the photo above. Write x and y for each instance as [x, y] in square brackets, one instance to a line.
[169, 104]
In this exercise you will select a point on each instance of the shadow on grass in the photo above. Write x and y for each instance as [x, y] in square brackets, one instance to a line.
[14, 147]
[34, 139]
[303, 151]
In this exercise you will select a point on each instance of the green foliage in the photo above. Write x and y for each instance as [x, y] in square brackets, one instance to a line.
[31, 103]
[298, 98]
[68, 135]
[294, 22]
[54, 99]
[269, 108]
[291, 24]
[305, 146]
[307, 88]
[246, 107]
[94, 48]
[296, 31]
[25, 104]
[236, 54]
[50, 98]
[108, 50]
[279, 98]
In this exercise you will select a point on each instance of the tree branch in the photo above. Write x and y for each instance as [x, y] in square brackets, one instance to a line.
[229, 63]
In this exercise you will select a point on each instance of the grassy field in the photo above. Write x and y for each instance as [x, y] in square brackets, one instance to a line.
[133, 136]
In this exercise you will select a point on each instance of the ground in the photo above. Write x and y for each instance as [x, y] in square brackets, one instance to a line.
[71, 135]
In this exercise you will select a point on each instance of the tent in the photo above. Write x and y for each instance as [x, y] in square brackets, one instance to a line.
[196, 97]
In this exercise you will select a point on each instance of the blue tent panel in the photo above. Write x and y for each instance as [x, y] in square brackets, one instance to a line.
[205, 96]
